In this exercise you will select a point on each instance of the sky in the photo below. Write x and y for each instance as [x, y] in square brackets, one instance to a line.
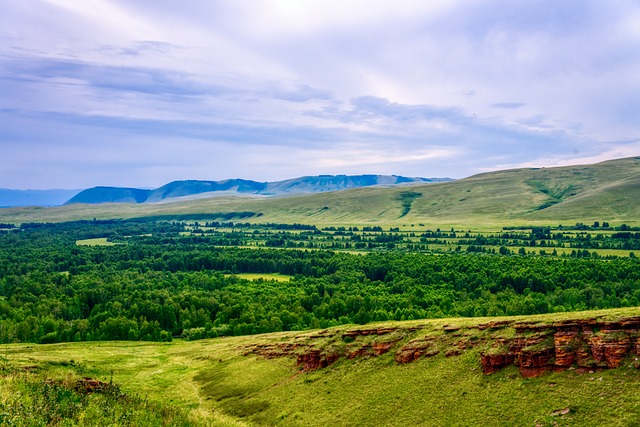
[140, 93]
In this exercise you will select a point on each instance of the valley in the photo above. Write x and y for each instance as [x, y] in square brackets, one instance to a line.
[505, 299]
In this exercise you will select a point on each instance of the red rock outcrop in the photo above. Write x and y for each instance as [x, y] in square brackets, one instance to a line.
[383, 347]
[566, 348]
[610, 347]
[365, 350]
[574, 343]
[585, 344]
[315, 359]
[378, 341]
[415, 349]
[535, 362]
[494, 362]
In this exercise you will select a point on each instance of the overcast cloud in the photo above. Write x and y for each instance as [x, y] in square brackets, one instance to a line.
[139, 93]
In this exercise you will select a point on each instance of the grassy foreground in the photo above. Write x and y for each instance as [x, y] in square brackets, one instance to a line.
[216, 382]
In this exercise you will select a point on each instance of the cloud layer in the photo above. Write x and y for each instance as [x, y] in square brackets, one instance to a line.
[123, 93]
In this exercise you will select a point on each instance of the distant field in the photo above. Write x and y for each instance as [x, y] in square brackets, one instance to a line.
[264, 276]
[98, 241]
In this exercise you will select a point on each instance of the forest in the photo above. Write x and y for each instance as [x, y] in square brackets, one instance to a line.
[156, 279]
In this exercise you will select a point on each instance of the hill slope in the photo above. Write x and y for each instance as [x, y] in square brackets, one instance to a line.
[280, 379]
[111, 195]
[607, 191]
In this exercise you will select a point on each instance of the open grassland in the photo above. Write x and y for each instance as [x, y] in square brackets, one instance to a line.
[218, 382]
[608, 191]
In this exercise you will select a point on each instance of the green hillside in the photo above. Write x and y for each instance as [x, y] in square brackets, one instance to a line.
[261, 380]
[608, 191]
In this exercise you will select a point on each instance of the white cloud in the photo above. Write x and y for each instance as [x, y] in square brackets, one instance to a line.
[345, 86]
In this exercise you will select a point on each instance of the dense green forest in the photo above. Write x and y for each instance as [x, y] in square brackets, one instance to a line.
[162, 279]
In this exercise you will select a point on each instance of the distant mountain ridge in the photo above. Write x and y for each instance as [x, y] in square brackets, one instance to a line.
[194, 188]
[606, 191]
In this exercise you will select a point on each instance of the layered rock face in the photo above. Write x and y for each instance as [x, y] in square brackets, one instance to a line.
[415, 349]
[315, 359]
[309, 358]
[586, 344]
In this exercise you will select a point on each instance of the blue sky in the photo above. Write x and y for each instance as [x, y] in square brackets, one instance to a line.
[138, 93]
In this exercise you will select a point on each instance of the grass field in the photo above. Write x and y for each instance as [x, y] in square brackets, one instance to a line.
[98, 241]
[217, 382]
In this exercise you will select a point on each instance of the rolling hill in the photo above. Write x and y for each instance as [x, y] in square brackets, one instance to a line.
[607, 191]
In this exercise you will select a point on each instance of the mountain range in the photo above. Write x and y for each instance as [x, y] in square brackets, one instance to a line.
[201, 189]
[186, 189]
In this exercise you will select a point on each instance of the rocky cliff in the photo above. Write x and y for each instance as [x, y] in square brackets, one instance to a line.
[535, 348]
[585, 344]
